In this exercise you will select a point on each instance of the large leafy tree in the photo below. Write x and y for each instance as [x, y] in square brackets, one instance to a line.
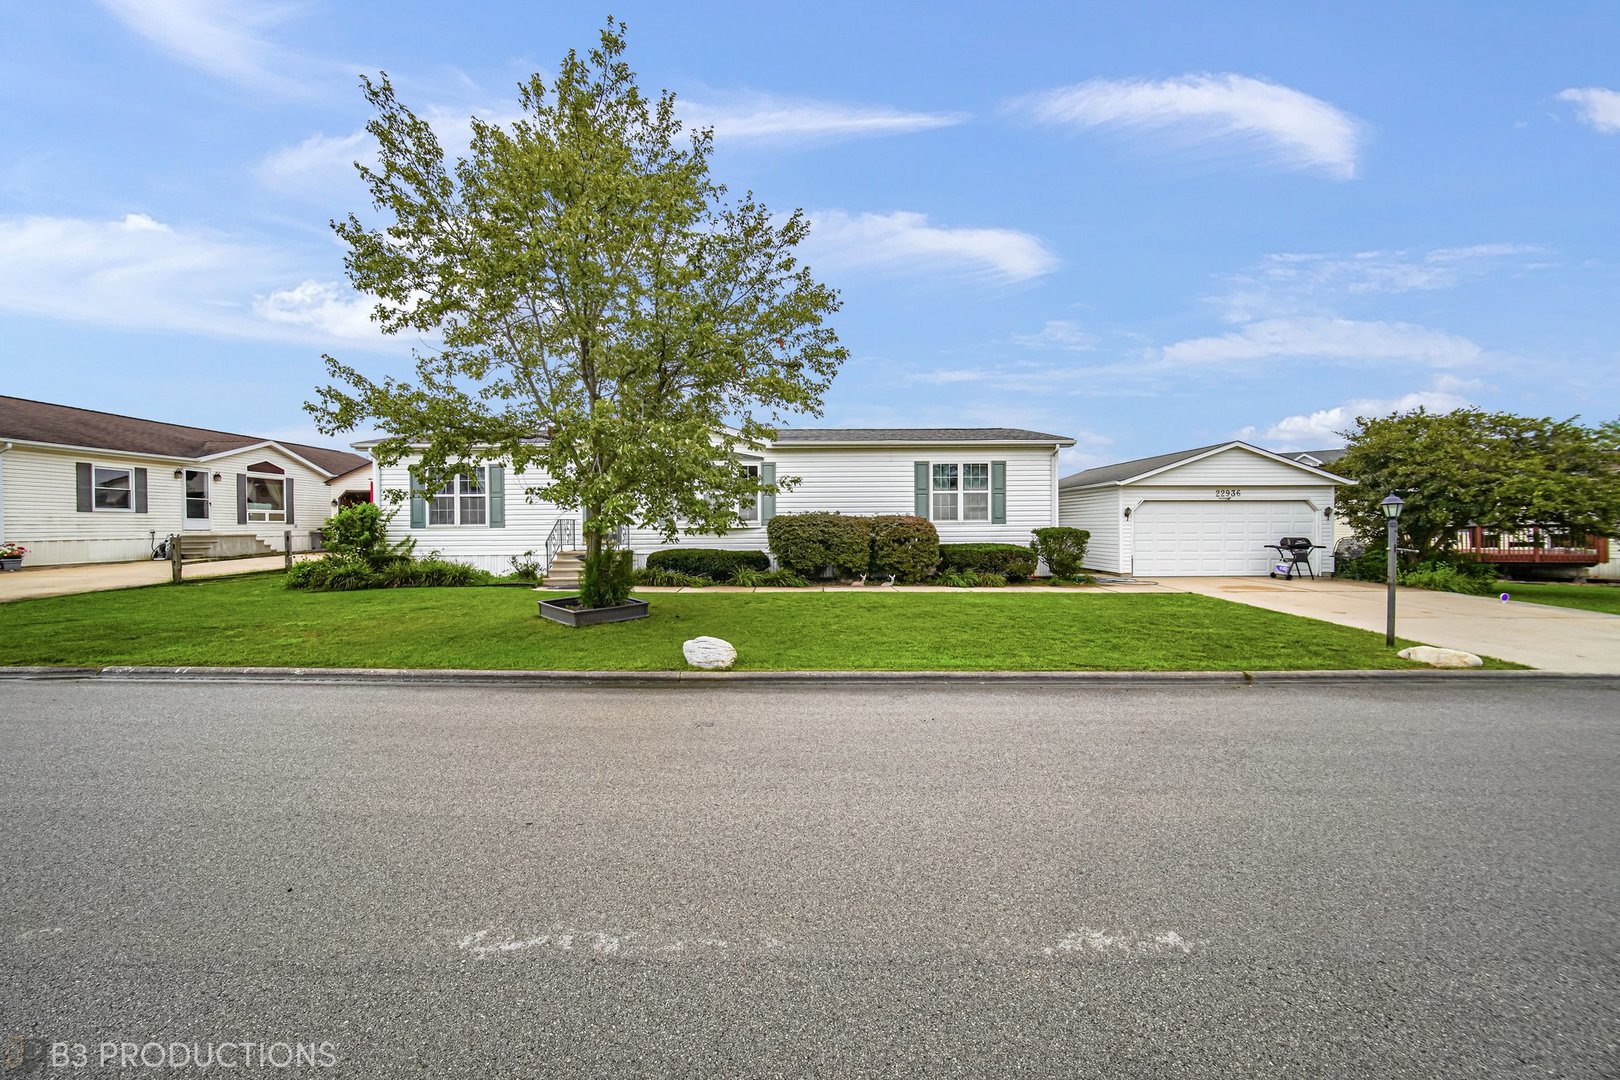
[604, 310]
[1470, 467]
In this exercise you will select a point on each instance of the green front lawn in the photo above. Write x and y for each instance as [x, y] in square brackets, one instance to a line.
[1587, 597]
[253, 621]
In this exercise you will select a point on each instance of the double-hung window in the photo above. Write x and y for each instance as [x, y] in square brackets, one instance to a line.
[462, 501]
[114, 489]
[961, 492]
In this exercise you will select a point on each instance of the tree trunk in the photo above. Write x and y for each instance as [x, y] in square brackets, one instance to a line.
[593, 539]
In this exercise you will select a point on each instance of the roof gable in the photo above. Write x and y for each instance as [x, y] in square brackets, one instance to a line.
[1130, 471]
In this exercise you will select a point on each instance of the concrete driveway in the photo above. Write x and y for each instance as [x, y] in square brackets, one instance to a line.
[34, 582]
[1544, 637]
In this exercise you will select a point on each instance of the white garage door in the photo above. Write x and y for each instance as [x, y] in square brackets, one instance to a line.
[1204, 539]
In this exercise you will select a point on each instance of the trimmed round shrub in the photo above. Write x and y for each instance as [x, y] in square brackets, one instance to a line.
[903, 545]
[1011, 561]
[1062, 548]
[810, 544]
[712, 563]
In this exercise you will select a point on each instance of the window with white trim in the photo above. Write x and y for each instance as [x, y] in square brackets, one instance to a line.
[114, 489]
[960, 491]
[266, 498]
[462, 501]
[750, 503]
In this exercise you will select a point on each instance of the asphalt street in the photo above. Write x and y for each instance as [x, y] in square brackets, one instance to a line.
[1377, 879]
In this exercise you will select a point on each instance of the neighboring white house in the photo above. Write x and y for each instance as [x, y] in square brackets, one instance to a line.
[977, 485]
[1203, 512]
[78, 486]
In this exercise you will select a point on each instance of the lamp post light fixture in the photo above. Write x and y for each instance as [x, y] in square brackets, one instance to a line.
[1392, 507]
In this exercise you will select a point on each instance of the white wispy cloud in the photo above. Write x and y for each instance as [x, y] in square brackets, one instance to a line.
[1059, 334]
[1596, 105]
[1320, 429]
[1228, 112]
[907, 242]
[226, 38]
[766, 118]
[1319, 338]
[141, 274]
[1302, 283]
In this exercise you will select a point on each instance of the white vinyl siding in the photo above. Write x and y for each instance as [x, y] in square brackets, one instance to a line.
[882, 480]
[1211, 516]
[1099, 512]
[528, 521]
[38, 486]
[852, 480]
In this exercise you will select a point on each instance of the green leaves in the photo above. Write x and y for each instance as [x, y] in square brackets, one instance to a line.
[1471, 467]
[601, 310]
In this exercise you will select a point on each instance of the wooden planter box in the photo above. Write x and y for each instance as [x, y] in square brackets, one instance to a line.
[566, 610]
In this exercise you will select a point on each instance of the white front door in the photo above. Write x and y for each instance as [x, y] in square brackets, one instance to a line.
[197, 515]
[1216, 539]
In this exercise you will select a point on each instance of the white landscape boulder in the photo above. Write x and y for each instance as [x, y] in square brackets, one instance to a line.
[1428, 654]
[710, 653]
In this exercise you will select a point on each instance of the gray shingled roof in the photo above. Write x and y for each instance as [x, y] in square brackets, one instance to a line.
[1124, 470]
[1326, 457]
[64, 425]
[1128, 470]
[915, 435]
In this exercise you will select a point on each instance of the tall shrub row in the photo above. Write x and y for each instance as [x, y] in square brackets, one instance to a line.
[813, 544]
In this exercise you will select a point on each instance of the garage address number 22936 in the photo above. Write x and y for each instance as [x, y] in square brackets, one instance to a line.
[1227, 493]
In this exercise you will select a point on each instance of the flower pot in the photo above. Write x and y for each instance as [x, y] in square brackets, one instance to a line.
[11, 564]
[567, 610]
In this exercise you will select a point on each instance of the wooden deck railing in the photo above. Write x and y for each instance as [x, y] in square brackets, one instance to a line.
[1533, 545]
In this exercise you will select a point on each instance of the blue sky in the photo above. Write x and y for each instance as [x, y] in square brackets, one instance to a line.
[1149, 226]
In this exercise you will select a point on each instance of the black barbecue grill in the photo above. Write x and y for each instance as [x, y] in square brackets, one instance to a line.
[1293, 557]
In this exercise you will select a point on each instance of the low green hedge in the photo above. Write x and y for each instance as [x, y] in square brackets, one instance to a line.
[1012, 561]
[715, 564]
[350, 573]
[1063, 549]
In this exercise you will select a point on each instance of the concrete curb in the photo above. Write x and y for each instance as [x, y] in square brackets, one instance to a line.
[713, 679]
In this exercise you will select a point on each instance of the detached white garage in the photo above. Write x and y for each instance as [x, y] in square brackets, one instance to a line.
[1208, 512]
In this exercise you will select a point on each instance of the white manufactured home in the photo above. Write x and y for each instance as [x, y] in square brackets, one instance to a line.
[1209, 511]
[79, 486]
[977, 485]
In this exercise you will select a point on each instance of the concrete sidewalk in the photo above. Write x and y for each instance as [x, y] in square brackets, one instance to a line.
[1544, 637]
[29, 584]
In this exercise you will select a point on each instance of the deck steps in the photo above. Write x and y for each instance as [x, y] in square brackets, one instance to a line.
[195, 547]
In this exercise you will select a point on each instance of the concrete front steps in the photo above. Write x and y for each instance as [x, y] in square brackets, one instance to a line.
[199, 547]
[565, 570]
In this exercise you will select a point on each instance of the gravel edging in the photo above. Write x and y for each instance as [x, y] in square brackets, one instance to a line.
[464, 677]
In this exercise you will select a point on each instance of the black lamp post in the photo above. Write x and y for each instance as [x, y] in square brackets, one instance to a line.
[1392, 507]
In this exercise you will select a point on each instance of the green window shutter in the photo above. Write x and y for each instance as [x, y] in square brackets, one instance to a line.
[418, 505]
[921, 507]
[241, 498]
[82, 487]
[291, 503]
[496, 479]
[998, 493]
[767, 501]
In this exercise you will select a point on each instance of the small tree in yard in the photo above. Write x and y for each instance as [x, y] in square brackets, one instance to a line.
[1470, 467]
[606, 312]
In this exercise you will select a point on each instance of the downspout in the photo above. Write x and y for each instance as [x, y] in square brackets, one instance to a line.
[4, 448]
